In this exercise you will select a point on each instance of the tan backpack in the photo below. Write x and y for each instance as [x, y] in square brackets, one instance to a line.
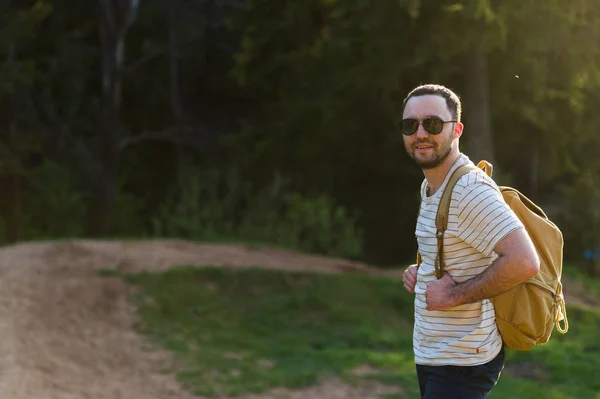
[525, 314]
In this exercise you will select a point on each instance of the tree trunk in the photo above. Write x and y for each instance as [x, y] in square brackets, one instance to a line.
[175, 89]
[10, 180]
[478, 124]
[10, 184]
[116, 17]
[104, 191]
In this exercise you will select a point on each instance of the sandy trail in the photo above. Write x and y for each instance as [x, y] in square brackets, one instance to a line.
[68, 333]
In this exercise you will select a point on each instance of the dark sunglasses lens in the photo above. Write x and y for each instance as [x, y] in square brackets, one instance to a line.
[433, 125]
[409, 126]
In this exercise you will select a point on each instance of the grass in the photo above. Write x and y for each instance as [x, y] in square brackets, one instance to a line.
[237, 331]
[566, 366]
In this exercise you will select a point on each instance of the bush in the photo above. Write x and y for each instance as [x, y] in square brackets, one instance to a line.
[211, 204]
[197, 208]
[580, 217]
[52, 207]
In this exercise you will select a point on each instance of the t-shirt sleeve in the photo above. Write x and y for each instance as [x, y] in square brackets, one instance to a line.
[484, 219]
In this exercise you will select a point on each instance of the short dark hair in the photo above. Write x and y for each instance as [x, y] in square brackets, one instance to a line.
[452, 100]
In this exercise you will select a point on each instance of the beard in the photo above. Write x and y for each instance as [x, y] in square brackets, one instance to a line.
[440, 153]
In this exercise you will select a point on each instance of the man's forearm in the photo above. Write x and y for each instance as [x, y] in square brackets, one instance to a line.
[502, 275]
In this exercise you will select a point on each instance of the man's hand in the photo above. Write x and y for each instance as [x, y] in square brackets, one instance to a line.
[516, 262]
[410, 278]
[440, 294]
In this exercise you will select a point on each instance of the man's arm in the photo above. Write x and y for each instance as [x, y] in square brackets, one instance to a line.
[517, 261]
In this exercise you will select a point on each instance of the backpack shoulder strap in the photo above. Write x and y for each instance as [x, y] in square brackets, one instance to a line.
[487, 167]
[441, 219]
[419, 256]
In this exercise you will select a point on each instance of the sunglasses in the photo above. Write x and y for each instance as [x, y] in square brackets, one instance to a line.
[432, 125]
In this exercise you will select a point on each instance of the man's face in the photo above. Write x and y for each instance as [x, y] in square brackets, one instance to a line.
[428, 150]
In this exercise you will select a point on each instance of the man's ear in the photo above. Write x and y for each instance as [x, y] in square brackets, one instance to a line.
[458, 130]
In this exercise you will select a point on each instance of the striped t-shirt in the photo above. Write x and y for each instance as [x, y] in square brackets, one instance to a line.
[479, 219]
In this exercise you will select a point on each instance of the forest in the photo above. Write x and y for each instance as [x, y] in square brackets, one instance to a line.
[276, 121]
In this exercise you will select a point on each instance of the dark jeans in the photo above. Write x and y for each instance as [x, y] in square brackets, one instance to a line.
[459, 382]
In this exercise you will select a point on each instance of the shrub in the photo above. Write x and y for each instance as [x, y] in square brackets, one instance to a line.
[52, 206]
[212, 204]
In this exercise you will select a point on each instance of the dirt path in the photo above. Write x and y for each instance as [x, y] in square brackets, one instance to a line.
[67, 333]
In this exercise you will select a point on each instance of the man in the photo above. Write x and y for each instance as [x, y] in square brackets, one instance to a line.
[458, 349]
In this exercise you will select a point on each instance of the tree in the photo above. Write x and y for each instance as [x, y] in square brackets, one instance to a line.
[17, 140]
[116, 17]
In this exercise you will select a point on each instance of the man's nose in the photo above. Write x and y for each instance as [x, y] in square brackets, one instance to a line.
[421, 132]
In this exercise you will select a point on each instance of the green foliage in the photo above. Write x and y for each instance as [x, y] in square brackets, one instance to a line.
[19, 30]
[128, 221]
[325, 77]
[211, 204]
[53, 207]
[309, 223]
[578, 206]
[20, 24]
[581, 227]
[310, 89]
[198, 207]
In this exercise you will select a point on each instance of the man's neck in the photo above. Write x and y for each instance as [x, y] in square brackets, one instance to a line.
[435, 177]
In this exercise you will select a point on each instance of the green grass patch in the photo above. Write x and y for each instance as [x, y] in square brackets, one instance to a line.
[567, 365]
[237, 331]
